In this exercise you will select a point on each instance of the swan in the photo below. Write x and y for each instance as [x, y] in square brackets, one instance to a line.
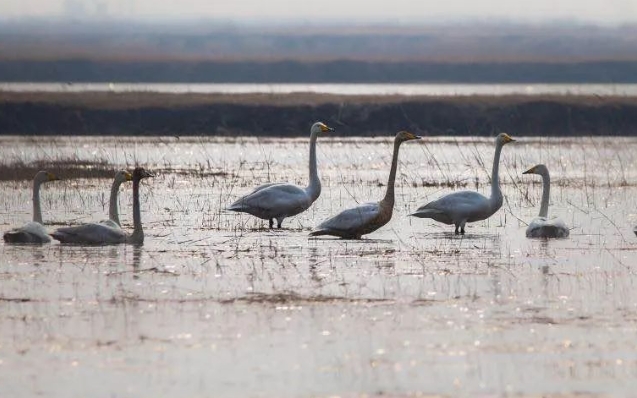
[364, 219]
[113, 211]
[33, 232]
[106, 233]
[278, 201]
[542, 226]
[459, 208]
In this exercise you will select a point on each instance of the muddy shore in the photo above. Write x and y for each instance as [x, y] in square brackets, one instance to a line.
[289, 115]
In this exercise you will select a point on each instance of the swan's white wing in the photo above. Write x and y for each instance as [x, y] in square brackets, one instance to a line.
[31, 232]
[92, 234]
[351, 219]
[110, 223]
[542, 227]
[455, 207]
[274, 201]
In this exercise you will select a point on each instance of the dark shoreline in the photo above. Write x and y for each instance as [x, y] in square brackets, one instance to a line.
[87, 70]
[146, 114]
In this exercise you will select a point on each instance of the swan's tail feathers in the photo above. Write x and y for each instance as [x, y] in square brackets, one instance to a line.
[319, 232]
[60, 236]
[237, 206]
[425, 213]
[24, 237]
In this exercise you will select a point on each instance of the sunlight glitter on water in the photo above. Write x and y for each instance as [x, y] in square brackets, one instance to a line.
[214, 303]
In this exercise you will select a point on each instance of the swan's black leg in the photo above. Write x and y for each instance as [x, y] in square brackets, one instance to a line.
[271, 223]
[279, 221]
[462, 231]
[456, 231]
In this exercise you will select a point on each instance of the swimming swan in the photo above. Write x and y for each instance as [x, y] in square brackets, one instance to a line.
[459, 208]
[113, 209]
[103, 233]
[278, 201]
[364, 219]
[33, 232]
[542, 226]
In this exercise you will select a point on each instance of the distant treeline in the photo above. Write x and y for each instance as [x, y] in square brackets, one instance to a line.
[243, 115]
[82, 70]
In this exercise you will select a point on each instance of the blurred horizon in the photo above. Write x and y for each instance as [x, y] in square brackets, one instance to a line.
[394, 12]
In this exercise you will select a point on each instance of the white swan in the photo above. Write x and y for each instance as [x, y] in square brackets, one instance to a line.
[542, 226]
[278, 201]
[113, 209]
[459, 208]
[103, 233]
[364, 219]
[33, 232]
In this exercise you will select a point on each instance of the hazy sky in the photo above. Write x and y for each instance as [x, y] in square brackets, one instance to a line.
[599, 11]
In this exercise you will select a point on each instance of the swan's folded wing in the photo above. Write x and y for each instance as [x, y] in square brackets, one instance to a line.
[31, 232]
[351, 219]
[542, 227]
[276, 196]
[462, 199]
[96, 234]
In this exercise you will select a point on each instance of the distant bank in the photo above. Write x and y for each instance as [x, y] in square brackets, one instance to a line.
[293, 71]
[290, 115]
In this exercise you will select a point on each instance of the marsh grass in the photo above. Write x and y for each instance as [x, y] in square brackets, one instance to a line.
[64, 168]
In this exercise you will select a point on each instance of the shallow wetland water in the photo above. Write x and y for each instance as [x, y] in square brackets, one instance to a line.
[215, 304]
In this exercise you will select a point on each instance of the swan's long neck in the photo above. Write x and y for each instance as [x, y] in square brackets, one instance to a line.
[388, 200]
[113, 209]
[138, 233]
[37, 210]
[314, 189]
[496, 193]
[546, 191]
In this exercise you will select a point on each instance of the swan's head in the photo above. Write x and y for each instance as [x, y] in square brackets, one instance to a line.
[503, 138]
[539, 169]
[320, 127]
[139, 173]
[45, 176]
[123, 176]
[403, 136]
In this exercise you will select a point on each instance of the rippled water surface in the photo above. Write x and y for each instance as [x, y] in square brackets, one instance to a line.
[410, 89]
[215, 304]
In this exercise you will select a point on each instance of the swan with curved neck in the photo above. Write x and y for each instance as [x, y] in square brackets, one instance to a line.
[33, 232]
[121, 177]
[361, 220]
[279, 201]
[542, 226]
[105, 233]
[459, 208]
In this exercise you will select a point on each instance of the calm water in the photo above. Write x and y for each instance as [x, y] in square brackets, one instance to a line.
[341, 89]
[215, 305]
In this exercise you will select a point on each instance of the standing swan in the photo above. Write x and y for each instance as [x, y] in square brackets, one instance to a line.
[103, 233]
[278, 201]
[462, 207]
[33, 232]
[541, 226]
[364, 219]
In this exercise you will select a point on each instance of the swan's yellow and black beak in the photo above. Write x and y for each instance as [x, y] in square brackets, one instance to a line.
[507, 138]
[52, 177]
[407, 135]
[530, 171]
[325, 128]
[140, 173]
[128, 176]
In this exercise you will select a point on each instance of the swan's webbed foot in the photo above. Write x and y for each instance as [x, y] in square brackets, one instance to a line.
[271, 223]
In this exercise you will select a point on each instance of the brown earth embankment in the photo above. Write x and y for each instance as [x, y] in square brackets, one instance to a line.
[291, 114]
